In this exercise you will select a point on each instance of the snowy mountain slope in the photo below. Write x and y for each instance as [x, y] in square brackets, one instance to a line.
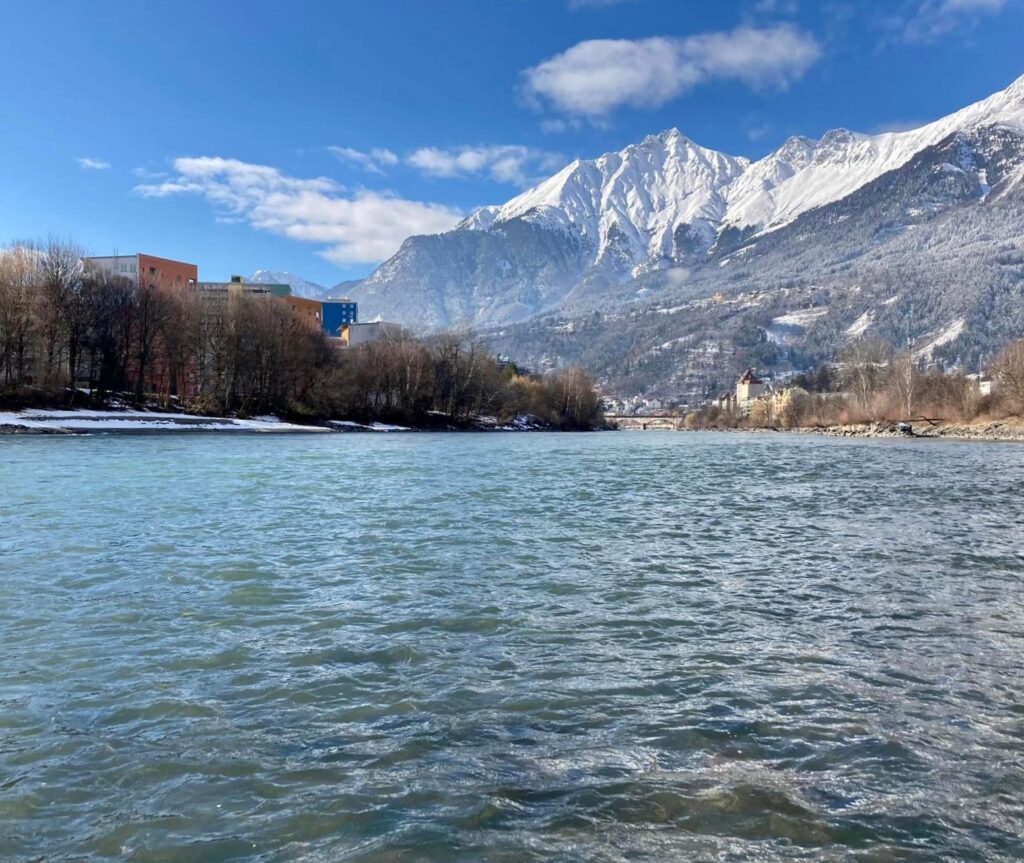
[666, 203]
[804, 174]
[342, 289]
[633, 201]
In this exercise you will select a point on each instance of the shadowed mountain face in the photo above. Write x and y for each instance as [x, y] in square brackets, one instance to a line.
[669, 214]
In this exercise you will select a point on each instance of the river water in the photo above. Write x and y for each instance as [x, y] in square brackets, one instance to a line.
[510, 647]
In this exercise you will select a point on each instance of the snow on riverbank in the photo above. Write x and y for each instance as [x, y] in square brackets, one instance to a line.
[90, 421]
[45, 421]
[348, 425]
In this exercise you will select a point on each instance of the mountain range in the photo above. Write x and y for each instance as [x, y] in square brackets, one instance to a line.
[598, 225]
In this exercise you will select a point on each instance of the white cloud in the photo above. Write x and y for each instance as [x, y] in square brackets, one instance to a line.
[930, 19]
[505, 163]
[593, 78]
[374, 160]
[93, 164]
[360, 227]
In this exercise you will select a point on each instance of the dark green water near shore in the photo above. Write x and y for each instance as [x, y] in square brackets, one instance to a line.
[423, 647]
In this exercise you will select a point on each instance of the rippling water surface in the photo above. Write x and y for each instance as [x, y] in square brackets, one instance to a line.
[601, 647]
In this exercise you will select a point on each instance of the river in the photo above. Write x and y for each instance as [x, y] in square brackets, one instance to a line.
[510, 647]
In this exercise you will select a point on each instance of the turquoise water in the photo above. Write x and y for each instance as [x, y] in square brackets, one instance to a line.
[421, 647]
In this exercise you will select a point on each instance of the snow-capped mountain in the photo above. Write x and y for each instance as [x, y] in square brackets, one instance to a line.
[598, 225]
[630, 205]
[300, 287]
[803, 173]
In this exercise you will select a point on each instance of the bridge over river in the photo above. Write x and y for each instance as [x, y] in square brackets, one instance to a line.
[635, 423]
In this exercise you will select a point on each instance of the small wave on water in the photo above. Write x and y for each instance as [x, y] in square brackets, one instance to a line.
[609, 647]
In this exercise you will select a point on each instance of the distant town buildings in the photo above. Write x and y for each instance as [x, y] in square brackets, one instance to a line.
[749, 389]
[639, 406]
[338, 319]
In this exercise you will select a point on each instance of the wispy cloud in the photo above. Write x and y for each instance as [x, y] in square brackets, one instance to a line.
[504, 163]
[757, 131]
[928, 20]
[147, 174]
[775, 7]
[359, 227]
[593, 78]
[374, 160]
[93, 164]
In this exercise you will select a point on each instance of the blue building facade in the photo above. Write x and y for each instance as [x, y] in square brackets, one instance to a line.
[337, 314]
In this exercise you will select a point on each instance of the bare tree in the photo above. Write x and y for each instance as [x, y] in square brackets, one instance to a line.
[862, 365]
[18, 273]
[152, 309]
[904, 381]
[1008, 370]
[60, 274]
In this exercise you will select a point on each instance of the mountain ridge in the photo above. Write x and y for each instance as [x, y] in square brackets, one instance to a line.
[599, 224]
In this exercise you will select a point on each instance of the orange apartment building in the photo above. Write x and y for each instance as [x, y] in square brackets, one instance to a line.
[143, 269]
[164, 273]
[308, 310]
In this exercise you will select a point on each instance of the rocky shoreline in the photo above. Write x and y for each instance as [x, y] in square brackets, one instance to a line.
[1005, 430]
[1008, 430]
[993, 430]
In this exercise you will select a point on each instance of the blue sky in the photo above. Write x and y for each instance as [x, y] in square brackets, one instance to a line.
[314, 136]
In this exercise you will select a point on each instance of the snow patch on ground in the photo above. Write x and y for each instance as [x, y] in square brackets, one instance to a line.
[349, 425]
[949, 334]
[665, 346]
[859, 326]
[800, 318]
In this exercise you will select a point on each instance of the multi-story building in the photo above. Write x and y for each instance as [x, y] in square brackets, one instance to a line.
[147, 269]
[239, 287]
[355, 334]
[749, 387]
[309, 310]
[336, 314]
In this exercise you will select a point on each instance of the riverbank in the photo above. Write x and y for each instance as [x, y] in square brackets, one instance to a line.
[46, 421]
[1008, 430]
